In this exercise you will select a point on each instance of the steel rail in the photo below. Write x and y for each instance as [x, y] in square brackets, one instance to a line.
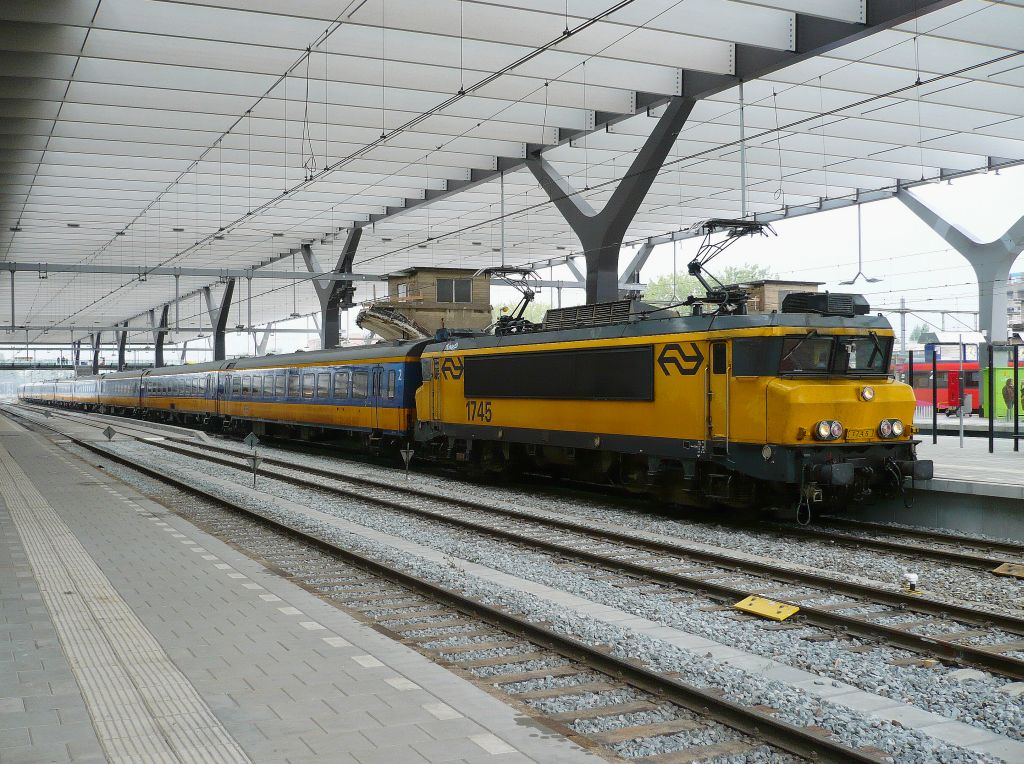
[980, 559]
[894, 599]
[996, 662]
[958, 556]
[942, 537]
[762, 726]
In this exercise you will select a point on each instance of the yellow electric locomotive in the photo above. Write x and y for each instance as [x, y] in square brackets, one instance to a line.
[737, 410]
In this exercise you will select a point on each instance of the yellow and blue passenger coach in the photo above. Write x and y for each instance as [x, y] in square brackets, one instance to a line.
[736, 410]
[366, 392]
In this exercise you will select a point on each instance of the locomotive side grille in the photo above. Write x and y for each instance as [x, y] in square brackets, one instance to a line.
[582, 316]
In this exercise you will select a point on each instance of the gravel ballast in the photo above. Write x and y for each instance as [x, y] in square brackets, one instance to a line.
[794, 705]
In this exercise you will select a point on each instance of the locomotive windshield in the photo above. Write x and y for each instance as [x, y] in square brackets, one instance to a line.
[812, 354]
[817, 354]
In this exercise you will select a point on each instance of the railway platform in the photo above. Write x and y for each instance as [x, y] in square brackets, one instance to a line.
[130, 635]
[973, 491]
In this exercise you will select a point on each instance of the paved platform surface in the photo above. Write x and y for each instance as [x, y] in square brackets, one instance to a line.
[973, 463]
[129, 635]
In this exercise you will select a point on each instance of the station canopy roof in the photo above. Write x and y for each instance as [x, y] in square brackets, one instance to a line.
[224, 133]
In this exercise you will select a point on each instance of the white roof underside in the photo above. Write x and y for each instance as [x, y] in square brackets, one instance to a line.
[146, 116]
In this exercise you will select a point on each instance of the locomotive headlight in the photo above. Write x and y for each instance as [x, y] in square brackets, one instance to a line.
[837, 430]
[867, 393]
[823, 430]
[897, 428]
[885, 428]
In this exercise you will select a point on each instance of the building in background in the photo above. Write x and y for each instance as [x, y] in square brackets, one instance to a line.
[422, 300]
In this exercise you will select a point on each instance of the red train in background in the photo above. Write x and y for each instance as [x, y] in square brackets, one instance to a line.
[949, 386]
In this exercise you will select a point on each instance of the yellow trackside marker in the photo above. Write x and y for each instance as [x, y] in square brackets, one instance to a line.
[1014, 569]
[776, 611]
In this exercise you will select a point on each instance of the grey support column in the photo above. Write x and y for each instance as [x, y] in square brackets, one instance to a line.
[76, 353]
[263, 340]
[333, 295]
[601, 233]
[632, 273]
[159, 334]
[991, 261]
[96, 338]
[122, 341]
[219, 318]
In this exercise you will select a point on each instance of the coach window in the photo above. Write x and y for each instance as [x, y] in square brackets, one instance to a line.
[323, 385]
[360, 384]
[236, 386]
[279, 386]
[341, 384]
[293, 385]
[257, 384]
[392, 377]
[308, 384]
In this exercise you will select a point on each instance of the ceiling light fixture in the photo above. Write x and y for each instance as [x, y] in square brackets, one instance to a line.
[15, 228]
[72, 225]
[178, 230]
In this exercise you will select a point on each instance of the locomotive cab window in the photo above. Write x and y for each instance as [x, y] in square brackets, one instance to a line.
[806, 354]
[718, 358]
[862, 354]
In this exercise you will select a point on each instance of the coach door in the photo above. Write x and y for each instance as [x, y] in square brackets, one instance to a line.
[718, 397]
[376, 395]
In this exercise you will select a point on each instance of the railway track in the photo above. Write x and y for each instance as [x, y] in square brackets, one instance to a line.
[722, 577]
[965, 551]
[504, 650]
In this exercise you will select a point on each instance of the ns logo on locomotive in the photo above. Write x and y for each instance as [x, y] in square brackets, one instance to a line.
[716, 408]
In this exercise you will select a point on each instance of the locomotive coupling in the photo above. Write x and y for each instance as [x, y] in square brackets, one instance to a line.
[840, 473]
[919, 469]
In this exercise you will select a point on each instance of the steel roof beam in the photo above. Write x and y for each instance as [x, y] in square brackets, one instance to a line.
[814, 36]
[217, 273]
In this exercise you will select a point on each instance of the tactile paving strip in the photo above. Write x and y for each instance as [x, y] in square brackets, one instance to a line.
[143, 708]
